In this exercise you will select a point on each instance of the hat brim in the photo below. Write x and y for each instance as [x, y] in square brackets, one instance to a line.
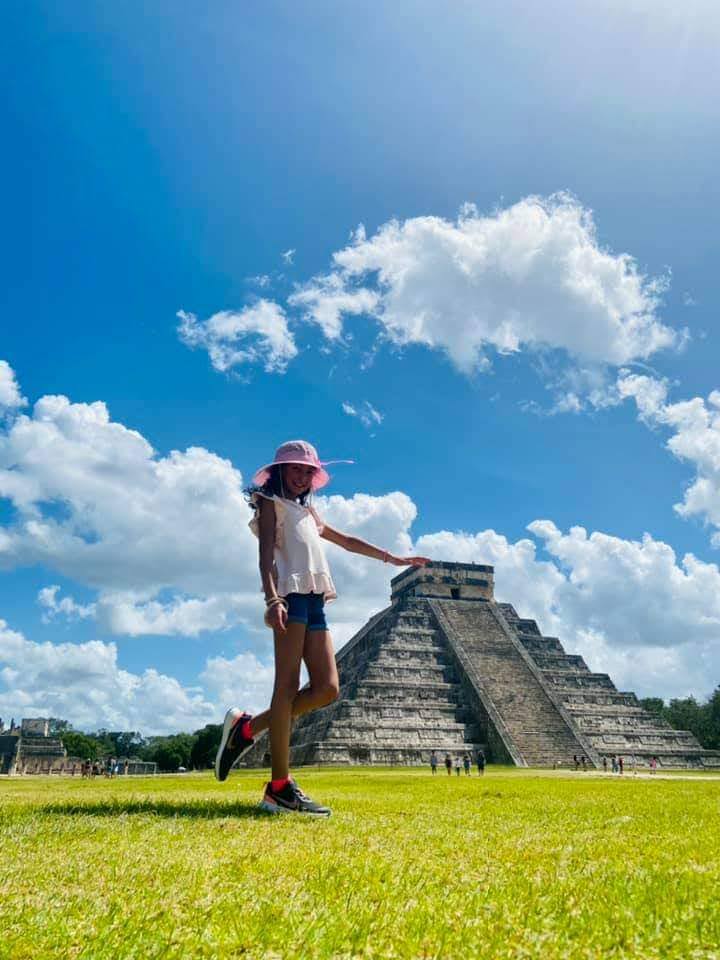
[320, 477]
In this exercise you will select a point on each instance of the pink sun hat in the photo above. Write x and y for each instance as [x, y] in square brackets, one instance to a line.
[298, 451]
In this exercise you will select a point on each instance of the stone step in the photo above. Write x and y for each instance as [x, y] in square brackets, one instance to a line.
[592, 724]
[411, 641]
[410, 675]
[441, 692]
[572, 698]
[404, 627]
[536, 645]
[401, 741]
[414, 624]
[545, 741]
[560, 662]
[677, 738]
[408, 735]
[428, 699]
[562, 680]
[379, 710]
[385, 738]
[405, 651]
[420, 624]
[606, 710]
[412, 636]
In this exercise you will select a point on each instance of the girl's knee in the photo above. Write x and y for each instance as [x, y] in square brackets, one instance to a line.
[286, 689]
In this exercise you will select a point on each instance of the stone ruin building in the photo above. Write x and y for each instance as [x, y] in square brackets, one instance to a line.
[447, 668]
[29, 748]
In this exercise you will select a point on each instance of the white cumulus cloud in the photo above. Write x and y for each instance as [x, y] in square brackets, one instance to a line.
[244, 679]
[694, 427]
[10, 396]
[326, 300]
[66, 606]
[163, 540]
[83, 683]
[532, 275]
[257, 334]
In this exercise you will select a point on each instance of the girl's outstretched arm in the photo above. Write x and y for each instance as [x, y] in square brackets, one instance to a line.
[356, 545]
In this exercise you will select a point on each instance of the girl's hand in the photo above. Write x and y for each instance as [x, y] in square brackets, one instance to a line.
[408, 561]
[276, 617]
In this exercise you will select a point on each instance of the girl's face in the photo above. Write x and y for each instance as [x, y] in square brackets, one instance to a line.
[297, 478]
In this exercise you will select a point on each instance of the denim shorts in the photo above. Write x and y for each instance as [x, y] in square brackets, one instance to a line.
[307, 608]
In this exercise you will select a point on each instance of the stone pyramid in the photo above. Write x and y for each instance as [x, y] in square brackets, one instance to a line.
[446, 668]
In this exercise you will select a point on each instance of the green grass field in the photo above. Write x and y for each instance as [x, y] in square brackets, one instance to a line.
[517, 864]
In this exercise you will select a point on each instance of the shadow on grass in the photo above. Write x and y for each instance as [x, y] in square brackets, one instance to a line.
[198, 810]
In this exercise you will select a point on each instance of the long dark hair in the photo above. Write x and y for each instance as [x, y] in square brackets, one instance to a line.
[273, 486]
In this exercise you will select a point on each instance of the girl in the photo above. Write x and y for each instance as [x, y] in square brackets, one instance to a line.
[297, 583]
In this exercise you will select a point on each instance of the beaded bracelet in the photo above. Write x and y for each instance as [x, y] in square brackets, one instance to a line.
[273, 602]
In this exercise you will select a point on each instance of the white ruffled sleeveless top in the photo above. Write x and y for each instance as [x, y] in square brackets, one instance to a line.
[299, 555]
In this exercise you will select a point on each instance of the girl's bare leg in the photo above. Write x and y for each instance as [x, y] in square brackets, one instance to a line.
[288, 655]
[323, 688]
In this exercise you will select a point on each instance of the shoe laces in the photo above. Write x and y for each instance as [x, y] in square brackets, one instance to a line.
[298, 792]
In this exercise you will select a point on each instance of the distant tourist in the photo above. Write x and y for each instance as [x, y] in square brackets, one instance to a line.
[458, 765]
[621, 765]
[576, 761]
[653, 764]
[480, 760]
[614, 764]
[466, 764]
[604, 764]
[433, 763]
[583, 761]
[448, 763]
[296, 581]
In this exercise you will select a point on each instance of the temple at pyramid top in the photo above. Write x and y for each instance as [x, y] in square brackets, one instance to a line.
[446, 668]
[447, 581]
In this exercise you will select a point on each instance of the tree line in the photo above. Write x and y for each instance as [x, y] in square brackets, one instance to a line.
[196, 751]
[701, 719]
[193, 751]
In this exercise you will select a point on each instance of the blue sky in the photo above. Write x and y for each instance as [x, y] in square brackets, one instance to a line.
[530, 360]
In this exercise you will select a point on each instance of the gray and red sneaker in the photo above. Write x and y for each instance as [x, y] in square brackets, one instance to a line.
[291, 799]
[232, 744]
